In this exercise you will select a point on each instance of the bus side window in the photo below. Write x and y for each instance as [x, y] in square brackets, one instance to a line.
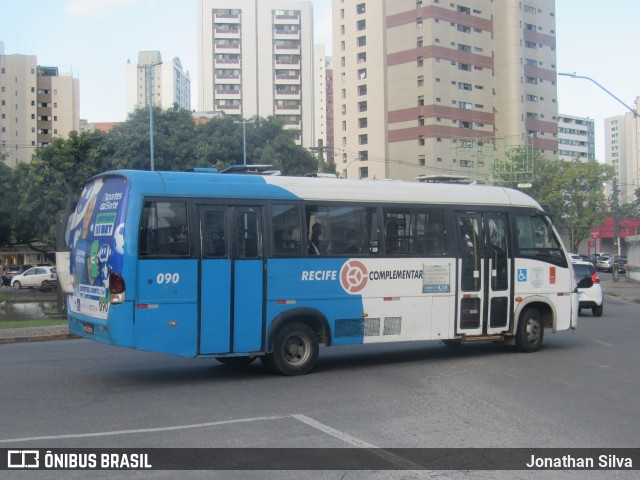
[164, 230]
[287, 232]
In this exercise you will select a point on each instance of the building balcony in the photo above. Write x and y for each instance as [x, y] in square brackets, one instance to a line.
[286, 50]
[229, 79]
[287, 95]
[288, 110]
[227, 49]
[226, 33]
[226, 18]
[226, 62]
[286, 20]
[287, 64]
[287, 80]
[228, 95]
[278, 35]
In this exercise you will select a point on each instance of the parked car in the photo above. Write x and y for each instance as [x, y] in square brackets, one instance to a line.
[575, 257]
[17, 270]
[589, 288]
[622, 264]
[604, 263]
[36, 277]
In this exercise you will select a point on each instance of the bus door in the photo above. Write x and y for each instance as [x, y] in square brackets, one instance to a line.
[231, 282]
[484, 274]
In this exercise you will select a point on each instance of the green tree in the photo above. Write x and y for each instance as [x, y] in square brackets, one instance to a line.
[7, 204]
[631, 209]
[572, 192]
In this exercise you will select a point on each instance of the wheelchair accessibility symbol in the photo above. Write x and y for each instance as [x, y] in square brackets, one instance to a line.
[522, 274]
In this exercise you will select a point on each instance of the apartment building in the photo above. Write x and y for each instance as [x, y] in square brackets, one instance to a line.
[169, 82]
[576, 138]
[37, 103]
[256, 59]
[426, 87]
[622, 150]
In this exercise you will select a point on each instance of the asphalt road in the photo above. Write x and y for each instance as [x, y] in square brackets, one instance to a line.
[580, 390]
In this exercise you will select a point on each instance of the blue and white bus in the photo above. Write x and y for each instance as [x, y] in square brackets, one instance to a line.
[239, 267]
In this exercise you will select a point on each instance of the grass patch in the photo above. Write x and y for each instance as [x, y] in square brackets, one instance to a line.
[47, 322]
[4, 296]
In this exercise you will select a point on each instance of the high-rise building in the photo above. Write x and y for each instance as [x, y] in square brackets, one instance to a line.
[576, 138]
[622, 150]
[323, 108]
[427, 87]
[37, 104]
[170, 84]
[256, 59]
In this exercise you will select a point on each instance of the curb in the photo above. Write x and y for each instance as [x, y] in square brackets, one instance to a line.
[39, 338]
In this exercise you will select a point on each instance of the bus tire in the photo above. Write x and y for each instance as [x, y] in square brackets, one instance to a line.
[530, 331]
[235, 361]
[295, 350]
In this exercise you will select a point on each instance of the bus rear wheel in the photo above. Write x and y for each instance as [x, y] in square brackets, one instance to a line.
[295, 350]
[530, 331]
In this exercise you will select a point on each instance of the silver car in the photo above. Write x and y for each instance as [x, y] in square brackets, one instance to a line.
[604, 263]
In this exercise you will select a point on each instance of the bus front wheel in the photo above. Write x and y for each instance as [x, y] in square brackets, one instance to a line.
[295, 350]
[530, 331]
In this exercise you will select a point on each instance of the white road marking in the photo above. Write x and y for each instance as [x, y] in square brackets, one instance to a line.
[142, 430]
[356, 442]
[603, 343]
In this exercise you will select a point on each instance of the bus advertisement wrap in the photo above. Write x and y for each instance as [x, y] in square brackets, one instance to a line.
[95, 233]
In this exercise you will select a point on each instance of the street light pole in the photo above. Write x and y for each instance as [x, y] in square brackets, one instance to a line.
[149, 69]
[616, 220]
[244, 140]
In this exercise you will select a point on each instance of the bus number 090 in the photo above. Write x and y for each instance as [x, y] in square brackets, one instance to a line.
[168, 278]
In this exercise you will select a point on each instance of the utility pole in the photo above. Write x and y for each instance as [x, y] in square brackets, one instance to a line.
[319, 150]
[616, 232]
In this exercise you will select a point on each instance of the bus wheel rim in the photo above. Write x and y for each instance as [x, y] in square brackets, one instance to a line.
[296, 349]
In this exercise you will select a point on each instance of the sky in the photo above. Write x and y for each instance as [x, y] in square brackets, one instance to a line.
[95, 38]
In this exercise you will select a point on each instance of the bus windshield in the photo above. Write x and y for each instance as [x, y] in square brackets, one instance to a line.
[95, 234]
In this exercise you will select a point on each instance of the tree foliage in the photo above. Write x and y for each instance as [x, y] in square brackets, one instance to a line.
[572, 192]
[35, 192]
[631, 209]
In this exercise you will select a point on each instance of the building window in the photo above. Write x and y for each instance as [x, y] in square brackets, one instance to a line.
[531, 98]
[421, 80]
[362, 106]
[364, 172]
[361, 8]
[464, 28]
[362, 57]
[363, 139]
[421, 140]
[363, 155]
[421, 120]
[419, 42]
[421, 160]
[362, 73]
[464, 86]
[464, 66]
[362, 90]
[421, 100]
[362, 122]
[464, 48]
[420, 62]
[362, 41]
[361, 24]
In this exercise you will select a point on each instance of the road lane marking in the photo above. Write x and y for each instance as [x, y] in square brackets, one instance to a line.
[603, 343]
[142, 430]
[356, 442]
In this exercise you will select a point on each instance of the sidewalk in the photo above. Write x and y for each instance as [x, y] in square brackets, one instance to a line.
[623, 289]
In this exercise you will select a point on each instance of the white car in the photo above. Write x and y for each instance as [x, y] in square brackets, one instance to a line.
[589, 288]
[575, 257]
[36, 277]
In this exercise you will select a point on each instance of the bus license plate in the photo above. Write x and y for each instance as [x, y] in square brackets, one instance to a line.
[88, 328]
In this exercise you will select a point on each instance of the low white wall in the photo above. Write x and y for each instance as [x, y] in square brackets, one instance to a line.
[633, 257]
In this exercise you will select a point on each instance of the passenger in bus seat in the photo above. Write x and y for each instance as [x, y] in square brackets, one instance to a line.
[318, 244]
